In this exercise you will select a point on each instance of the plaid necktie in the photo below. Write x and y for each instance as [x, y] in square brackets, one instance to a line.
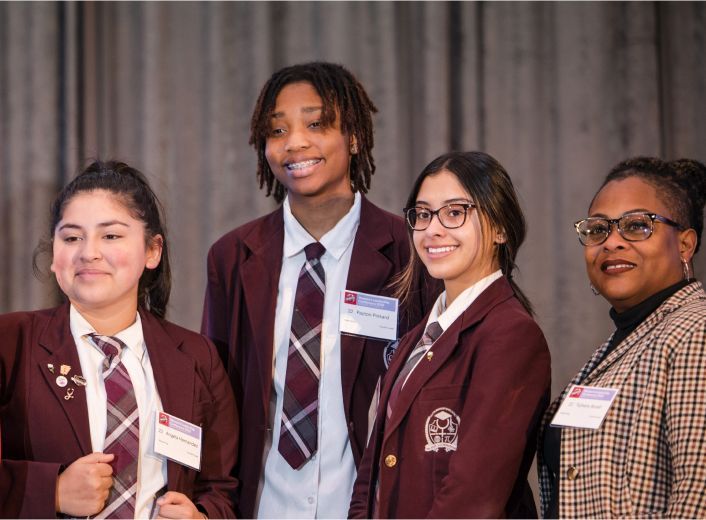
[432, 332]
[300, 409]
[122, 434]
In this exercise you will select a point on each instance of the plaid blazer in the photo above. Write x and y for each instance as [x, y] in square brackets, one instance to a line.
[649, 456]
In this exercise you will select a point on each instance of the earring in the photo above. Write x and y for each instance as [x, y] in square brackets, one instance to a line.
[594, 290]
[354, 148]
[686, 269]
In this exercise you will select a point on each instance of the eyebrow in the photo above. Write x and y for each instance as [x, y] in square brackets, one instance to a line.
[461, 200]
[305, 110]
[636, 210]
[109, 223]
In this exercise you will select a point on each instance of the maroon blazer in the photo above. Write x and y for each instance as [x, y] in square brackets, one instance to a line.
[41, 431]
[461, 437]
[239, 316]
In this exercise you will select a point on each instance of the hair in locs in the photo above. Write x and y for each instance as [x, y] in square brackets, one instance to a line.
[679, 184]
[131, 189]
[491, 189]
[342, 95]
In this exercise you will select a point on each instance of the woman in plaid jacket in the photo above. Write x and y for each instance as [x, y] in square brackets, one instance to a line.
[648, 457]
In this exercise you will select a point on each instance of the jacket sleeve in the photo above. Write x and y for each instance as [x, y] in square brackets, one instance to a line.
[686, 423]
[215, 486]
[215, 322]
[509, 384]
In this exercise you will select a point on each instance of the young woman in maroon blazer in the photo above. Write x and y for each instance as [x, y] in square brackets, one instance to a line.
[459, 408]
[82, 385]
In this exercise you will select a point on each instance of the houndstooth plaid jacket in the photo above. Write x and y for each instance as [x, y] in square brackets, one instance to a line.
[648, 459]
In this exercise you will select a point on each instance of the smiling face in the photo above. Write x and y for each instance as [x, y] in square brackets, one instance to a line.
[462, 256]
[309, 160]
[100, 252]
[627, 273]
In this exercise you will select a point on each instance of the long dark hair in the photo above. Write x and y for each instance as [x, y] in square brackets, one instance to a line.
[131, 188]
[490, 187]
[340, 91]
[680, 185]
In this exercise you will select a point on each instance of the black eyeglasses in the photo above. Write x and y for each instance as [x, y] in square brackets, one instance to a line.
[633, 227]
[450, 216]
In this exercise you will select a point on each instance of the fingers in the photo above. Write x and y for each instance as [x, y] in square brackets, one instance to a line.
[172, 497]
[96, 457]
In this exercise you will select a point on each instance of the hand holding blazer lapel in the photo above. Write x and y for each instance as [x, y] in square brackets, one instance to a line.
[58, 348]
[260, 278]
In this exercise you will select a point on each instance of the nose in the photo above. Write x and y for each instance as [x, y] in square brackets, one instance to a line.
[90, 250]
[435, 228]
[614, 240]
[296, 140]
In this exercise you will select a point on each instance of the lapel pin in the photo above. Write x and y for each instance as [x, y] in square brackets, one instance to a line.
[61, 380]
[64, 369]
[50, 366]
[69, 393]
[78, 380]
[430, 355]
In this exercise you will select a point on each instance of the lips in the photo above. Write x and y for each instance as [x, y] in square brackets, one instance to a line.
[301, 165]
[617, 266]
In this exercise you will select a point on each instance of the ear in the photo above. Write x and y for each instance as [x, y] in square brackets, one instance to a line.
[353, 144]
[499, 237]
[154, 252]
[687, 244]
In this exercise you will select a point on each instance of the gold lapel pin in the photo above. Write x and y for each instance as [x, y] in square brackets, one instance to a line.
[78, 380]
[430, 355]
[69, 393]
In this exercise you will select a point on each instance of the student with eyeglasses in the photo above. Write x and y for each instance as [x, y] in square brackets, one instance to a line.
[458, 412]
[643, 451]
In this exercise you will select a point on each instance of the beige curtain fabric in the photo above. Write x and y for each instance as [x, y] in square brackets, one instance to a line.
[558, 92]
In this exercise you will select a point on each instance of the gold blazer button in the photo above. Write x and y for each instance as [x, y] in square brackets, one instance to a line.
[390, 461]
[572, 473]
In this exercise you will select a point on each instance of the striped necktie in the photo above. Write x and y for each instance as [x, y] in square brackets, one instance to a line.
[122, 434]
[432, 332]
[298, 437]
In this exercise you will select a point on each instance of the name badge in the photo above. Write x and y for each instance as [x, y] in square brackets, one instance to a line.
[584, 407]
[178, 440]
[368, 315]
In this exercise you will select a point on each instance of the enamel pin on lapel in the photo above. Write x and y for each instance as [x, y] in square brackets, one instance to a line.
[78, 380]
[69, 393]
[61, 380]
[50, 366]
[430, 355]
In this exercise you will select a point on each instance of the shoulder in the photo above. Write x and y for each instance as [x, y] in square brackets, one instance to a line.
[15, 322]
[179, 334]
[375, 217]
[257, 230]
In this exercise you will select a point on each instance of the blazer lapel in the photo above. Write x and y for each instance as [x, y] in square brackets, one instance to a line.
[260, 278]
[58, 348]
[174, 375]
[442, 349]
[369, 271]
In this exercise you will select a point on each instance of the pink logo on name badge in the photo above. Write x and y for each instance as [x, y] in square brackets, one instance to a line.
[163, 419]
[576, 392]
[351, 298]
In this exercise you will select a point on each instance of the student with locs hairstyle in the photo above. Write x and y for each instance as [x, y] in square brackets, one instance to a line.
[274, 289]
[460, 406]
[82, 384]
[645, 455]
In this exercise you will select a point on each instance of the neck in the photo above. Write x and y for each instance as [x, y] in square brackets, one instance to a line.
[318, 215]
[109, 321]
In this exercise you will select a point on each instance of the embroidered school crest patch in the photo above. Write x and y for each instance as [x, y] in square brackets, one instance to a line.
[389, 351]
[442, 430]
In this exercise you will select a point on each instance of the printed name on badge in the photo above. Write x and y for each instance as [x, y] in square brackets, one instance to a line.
[368, 315]
[178, 440]
[584, 407]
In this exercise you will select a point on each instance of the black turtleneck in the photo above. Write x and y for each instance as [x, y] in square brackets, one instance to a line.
[625, 323]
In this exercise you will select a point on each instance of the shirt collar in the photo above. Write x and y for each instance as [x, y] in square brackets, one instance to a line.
[336, 241]
[131, 336]
[446, 316]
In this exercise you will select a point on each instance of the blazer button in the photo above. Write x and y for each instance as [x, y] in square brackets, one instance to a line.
[390, 461]
[572, 473]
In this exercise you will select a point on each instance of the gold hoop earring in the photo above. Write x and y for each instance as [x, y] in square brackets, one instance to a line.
[594, 290]
[686, 269]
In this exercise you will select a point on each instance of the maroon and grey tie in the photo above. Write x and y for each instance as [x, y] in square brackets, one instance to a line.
[300, 410]
[432, 332]
[122, 435]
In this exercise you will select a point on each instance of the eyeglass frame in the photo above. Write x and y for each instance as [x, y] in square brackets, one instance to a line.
[466, 206]
[615, 223]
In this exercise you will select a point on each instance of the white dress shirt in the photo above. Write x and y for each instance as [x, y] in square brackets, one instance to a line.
[322, 487]
[151, 467]
[446, 316]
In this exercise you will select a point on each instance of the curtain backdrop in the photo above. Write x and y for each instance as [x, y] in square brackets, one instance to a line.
[557, 92]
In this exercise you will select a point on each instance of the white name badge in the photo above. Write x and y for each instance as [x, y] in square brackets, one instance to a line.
[584, 407]
[178, 440]
[368, 315]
